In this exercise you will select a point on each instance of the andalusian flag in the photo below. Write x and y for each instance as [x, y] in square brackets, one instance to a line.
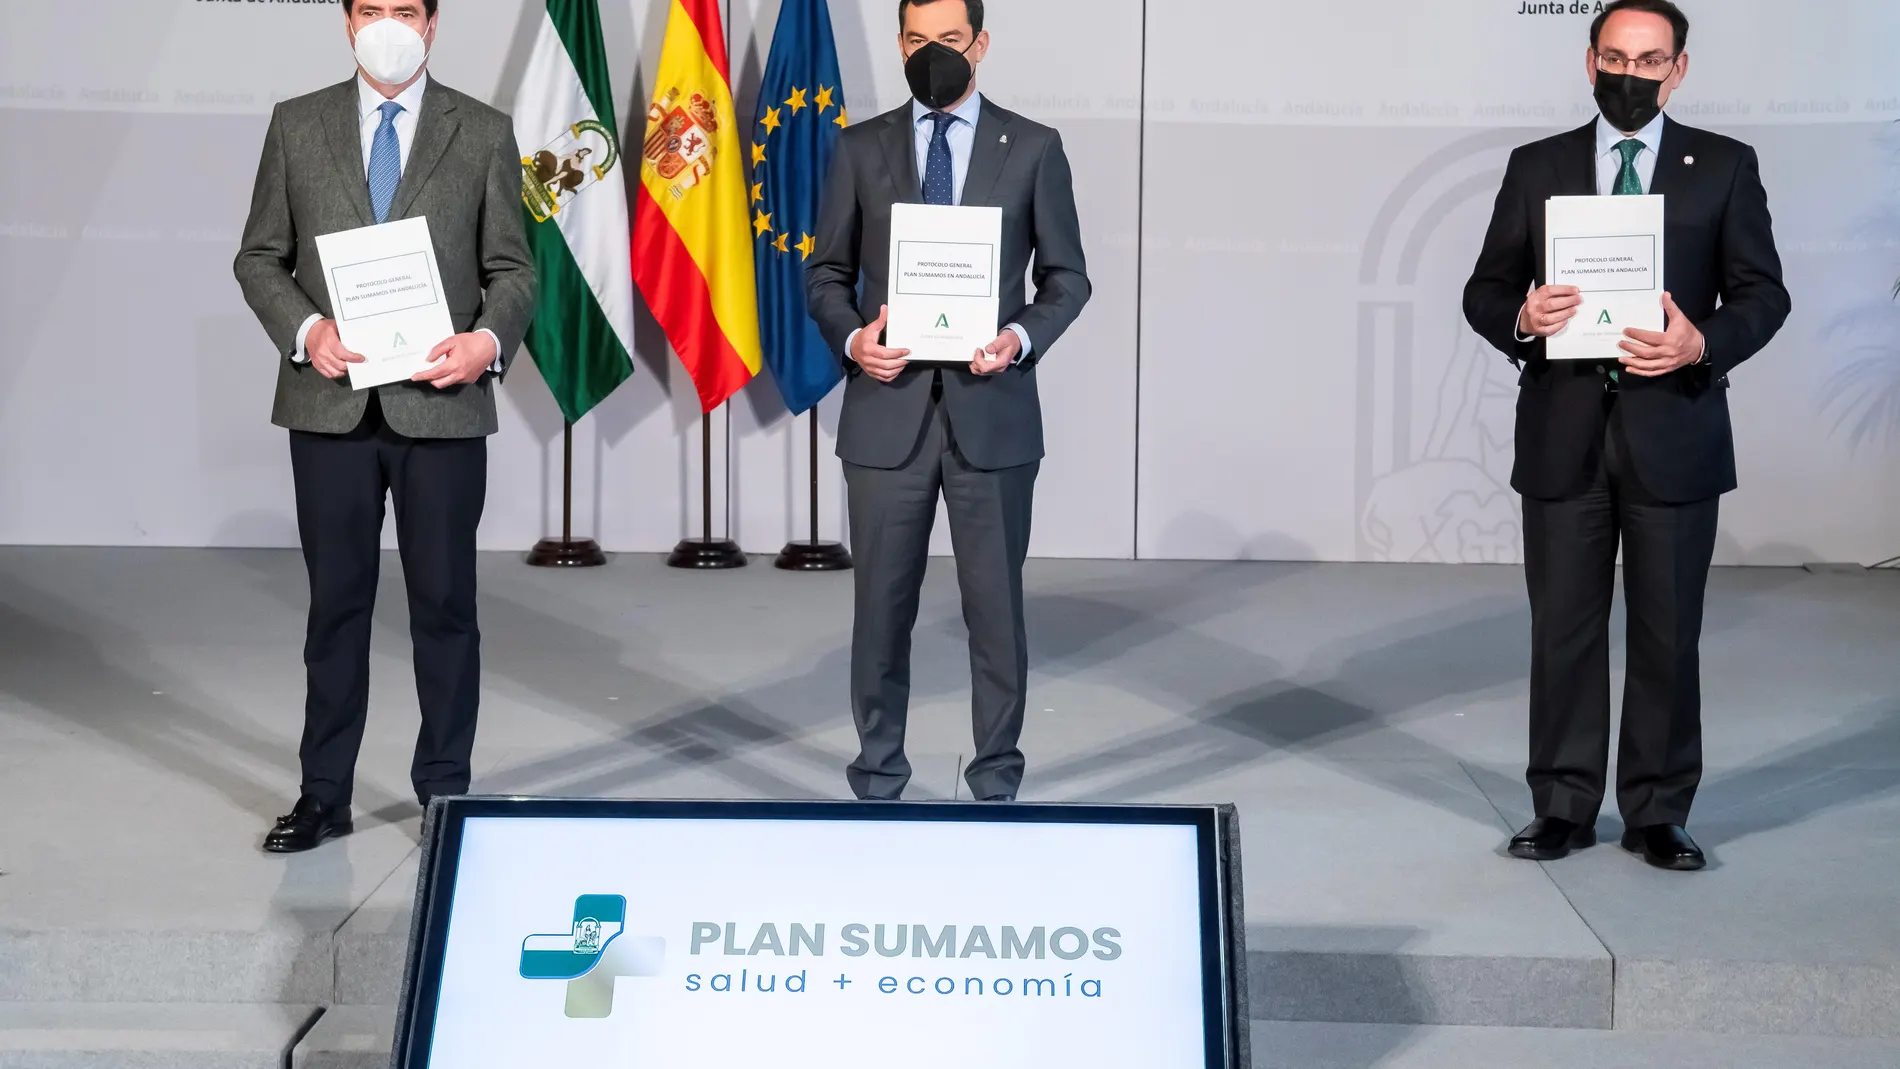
[692, 235]
[576, 204]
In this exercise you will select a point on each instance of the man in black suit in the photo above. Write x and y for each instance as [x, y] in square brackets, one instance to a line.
[972, 434]
[1637, 453]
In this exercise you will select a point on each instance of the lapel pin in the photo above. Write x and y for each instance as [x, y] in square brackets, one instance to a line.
[1689, 160]
[1004, 139]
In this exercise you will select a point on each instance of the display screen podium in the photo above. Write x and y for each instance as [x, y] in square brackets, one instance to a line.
[800, 935]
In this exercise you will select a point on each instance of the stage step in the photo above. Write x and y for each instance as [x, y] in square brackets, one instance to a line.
[275, 962]
[348, 1037]
[108, 1035]
[1348, 976]
[1279, 1045]
[359, 1038]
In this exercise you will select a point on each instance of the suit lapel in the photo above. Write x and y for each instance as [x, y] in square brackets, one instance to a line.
[435, 128]
[1579, 164]
[988, 155]
[900, 156]
[342, 129]
[1672, 174]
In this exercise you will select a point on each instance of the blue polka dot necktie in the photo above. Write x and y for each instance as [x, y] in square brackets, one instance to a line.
[385, 162]
[939, 178]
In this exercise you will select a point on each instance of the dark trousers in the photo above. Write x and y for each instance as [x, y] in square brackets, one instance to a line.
[439, 486]
[892, 512]
[1570, 564]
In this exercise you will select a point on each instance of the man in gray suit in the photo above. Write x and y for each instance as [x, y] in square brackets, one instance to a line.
[972, 434]
[388, 144]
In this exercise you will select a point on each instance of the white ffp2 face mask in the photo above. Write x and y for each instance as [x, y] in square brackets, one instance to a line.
[390, 51]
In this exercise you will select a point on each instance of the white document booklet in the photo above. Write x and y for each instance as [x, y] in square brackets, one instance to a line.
[386, 294]
[945, 268]
[1611, 249]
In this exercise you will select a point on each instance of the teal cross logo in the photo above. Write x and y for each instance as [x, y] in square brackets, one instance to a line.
[592, 955]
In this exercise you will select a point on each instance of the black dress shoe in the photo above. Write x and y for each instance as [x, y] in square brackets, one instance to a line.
[1550, 838]
[307, 827]
[999, 798]
[1666, 846]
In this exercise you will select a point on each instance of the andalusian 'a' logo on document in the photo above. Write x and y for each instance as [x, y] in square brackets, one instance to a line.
[551, 178]
[943, 322]
[1603, 319]
[592, 955]
[679, 144]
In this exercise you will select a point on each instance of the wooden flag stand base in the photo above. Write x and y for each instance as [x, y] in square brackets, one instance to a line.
[813, 555]
[557, 553]
[707, 553]
[567, 551]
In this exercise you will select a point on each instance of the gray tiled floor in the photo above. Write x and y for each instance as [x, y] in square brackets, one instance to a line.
[1368, 719]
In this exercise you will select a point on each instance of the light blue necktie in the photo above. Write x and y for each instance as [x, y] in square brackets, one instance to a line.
[385, 162]
[939, 175]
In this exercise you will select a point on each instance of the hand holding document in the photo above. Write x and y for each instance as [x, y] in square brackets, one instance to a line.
[1611, 250]
[945, 263]
[387, 299]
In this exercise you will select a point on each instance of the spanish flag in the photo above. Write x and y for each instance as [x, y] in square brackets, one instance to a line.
[692, 236]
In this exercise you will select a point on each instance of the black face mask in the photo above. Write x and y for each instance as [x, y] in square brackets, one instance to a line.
[1628, 102]
[938, 75]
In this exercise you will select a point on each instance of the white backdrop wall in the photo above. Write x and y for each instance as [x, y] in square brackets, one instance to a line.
[1281, 202]
[1319, 181]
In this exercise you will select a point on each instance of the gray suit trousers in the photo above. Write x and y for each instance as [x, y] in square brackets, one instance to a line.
[892, 511]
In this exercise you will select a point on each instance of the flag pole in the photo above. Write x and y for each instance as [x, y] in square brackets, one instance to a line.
[813, 555]
[706, 553]
[565, 552]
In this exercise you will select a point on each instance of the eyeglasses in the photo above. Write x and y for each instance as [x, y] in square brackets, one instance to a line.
[1650, 66]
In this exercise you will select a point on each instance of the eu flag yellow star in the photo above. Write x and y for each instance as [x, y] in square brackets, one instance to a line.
[823, 100]
[762, 224]
[758, 192]
[758, 154]
[771, 122]
[806, 245]
[780, 243]
[844, 117]
[797, 103]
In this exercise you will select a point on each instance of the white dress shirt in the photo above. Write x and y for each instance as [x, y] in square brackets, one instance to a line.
[1610, 164]
[369, 117]
[962, 138]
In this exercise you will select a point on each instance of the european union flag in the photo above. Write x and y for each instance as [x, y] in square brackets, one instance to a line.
[800, 115]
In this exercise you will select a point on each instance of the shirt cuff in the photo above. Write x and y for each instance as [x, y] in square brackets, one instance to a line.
[1522, 338]
[851, 342]
[497, 367]
[1022, 336]
[303, 332]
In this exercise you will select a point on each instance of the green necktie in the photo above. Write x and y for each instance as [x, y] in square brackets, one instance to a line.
[1628, 184]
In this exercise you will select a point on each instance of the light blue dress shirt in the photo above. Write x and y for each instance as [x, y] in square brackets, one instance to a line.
[962, 138]
[1610, 161]
[961, 135]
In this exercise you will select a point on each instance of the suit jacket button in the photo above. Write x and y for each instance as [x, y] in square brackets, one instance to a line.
[1601, 370]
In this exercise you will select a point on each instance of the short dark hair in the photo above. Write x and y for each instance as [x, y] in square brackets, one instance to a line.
[1677, 20]
[428, 7]
[974, 7]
